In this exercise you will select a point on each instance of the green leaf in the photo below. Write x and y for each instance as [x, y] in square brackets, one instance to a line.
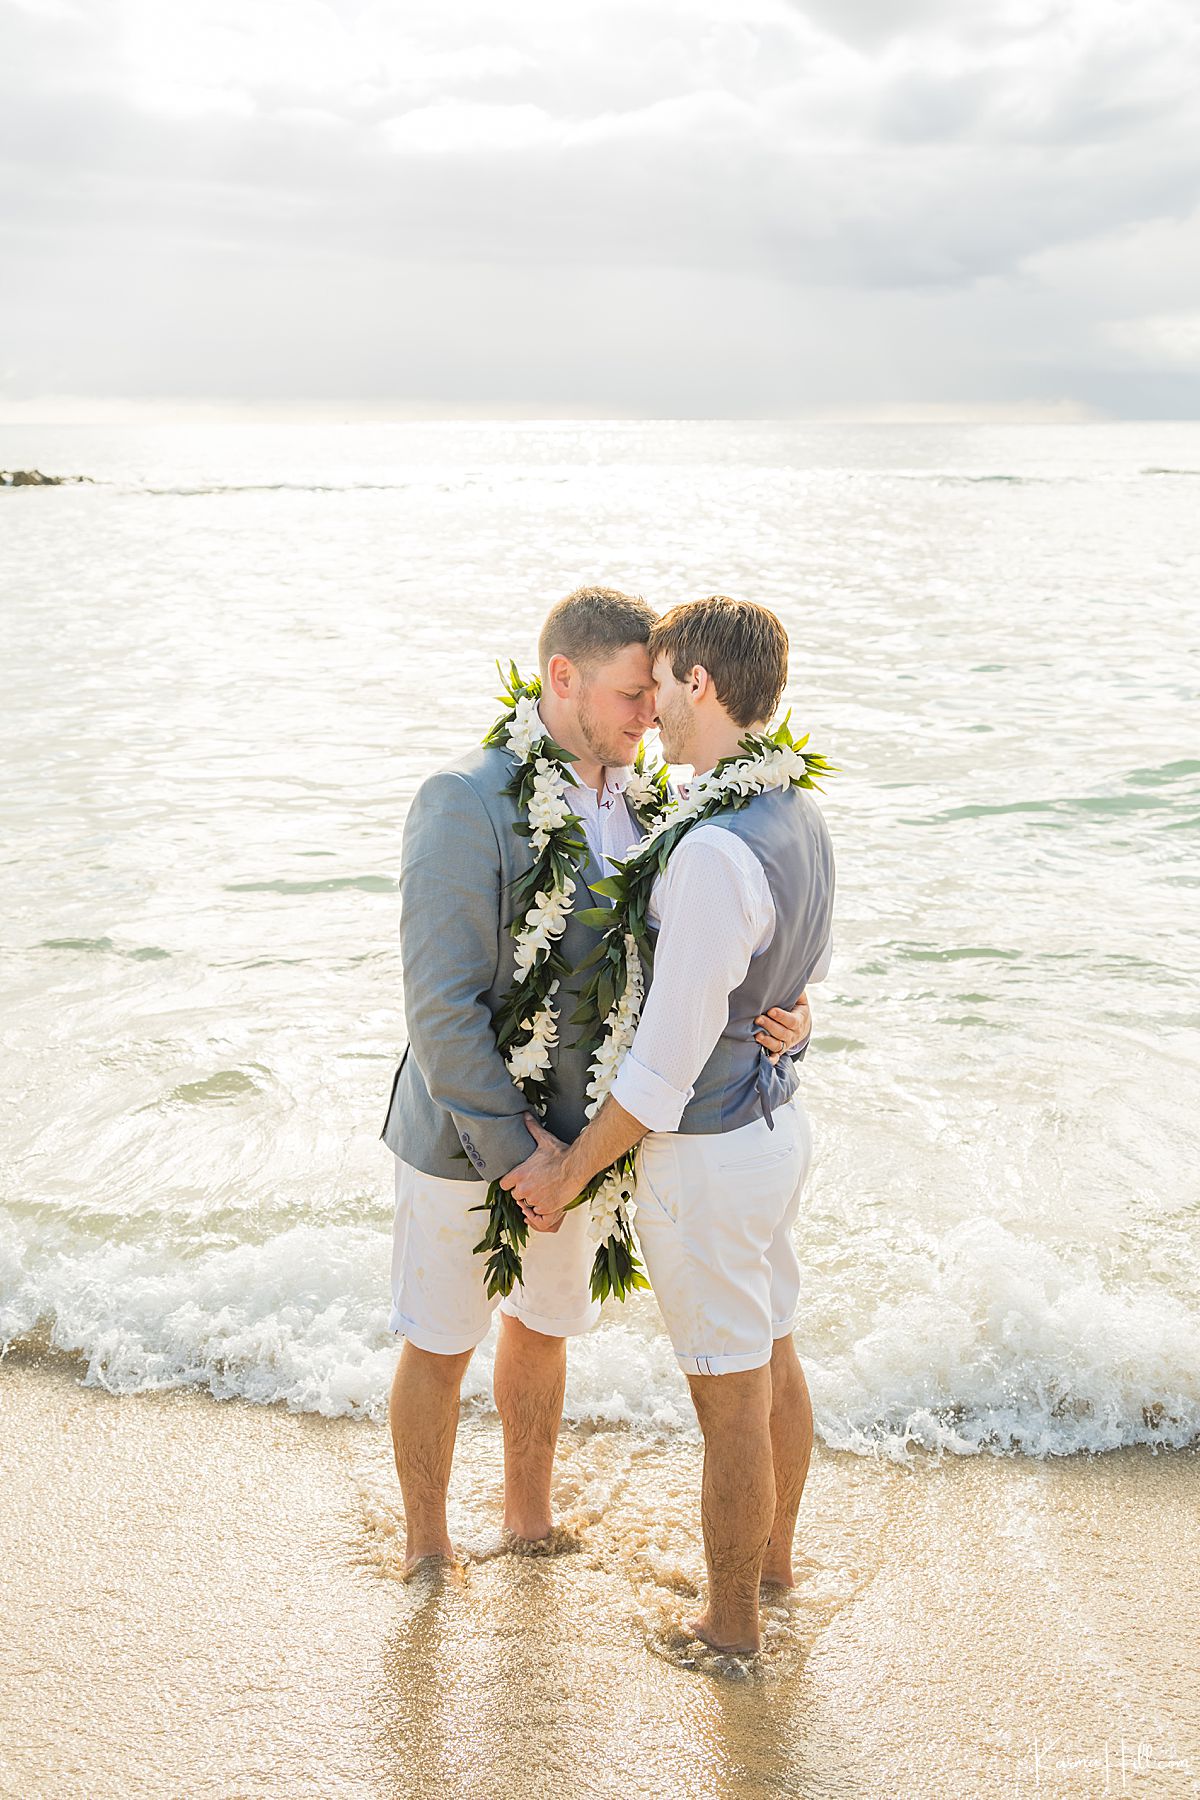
[596, 918]
[611, 886]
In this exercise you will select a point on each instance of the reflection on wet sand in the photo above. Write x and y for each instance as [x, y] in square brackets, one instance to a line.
[528, 1674]
[209, 1599]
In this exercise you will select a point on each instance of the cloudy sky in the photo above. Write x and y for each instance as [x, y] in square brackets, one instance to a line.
[673, 207]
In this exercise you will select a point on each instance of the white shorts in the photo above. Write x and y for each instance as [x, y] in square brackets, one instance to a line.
[438, 1297]
[714, 1219]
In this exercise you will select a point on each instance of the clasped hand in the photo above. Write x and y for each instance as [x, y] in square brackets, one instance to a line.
[543, 1185]
[539, 1184]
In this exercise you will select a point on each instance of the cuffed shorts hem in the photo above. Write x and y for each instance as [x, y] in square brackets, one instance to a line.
[438, 1343]
[723, 1365]
[785, 1330]
[576, 1326]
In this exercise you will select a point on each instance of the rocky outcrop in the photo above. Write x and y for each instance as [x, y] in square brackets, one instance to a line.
[35, 478]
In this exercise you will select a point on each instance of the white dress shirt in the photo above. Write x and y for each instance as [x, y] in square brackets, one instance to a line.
[714, 911]
[608, 825]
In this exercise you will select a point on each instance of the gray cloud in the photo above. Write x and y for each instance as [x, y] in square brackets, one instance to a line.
[709, 207]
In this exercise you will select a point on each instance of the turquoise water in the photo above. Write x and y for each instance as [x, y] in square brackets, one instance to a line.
[231, 658]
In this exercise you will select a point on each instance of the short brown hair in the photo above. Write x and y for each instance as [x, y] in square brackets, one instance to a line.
[743, 646]
[592, 624]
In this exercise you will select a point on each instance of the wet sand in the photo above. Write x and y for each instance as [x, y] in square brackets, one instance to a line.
[204, 1598]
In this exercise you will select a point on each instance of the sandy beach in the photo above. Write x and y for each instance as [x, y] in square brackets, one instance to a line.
[204, 1598]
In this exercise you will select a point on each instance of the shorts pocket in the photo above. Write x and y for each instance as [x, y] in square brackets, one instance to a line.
[783, 1145]
[655, 1183]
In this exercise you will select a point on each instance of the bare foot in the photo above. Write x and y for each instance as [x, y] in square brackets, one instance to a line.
[521, 1543]
[560, 1540]
[701, 1628]
[532, 1529]
[777, 1578]
[417, 1559]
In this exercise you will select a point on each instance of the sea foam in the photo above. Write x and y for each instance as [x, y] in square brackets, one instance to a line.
[1009, 1349]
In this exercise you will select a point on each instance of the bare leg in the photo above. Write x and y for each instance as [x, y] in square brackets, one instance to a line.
[529, 1380]
[423, 1410]
[738, 1501]
[791, 1449]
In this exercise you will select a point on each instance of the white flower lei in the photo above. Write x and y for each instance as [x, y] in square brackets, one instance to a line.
[527, 1024]
[644, 792]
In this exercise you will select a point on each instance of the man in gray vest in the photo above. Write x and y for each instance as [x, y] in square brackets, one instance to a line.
[455, 1120]
[743, 908]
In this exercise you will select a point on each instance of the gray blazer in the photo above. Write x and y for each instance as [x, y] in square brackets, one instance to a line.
[454, 1109]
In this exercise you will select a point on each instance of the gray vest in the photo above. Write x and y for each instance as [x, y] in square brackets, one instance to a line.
[473, 1128]
[786, 830]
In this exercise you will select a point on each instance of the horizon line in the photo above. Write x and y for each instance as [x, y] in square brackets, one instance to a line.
[74, 409]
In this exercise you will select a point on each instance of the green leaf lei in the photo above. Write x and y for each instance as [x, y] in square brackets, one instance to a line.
[525, 1016]
[630, 888]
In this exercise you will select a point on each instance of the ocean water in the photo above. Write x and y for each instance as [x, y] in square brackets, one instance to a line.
[230, 658]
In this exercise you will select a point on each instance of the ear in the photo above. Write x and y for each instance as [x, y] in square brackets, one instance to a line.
[561, 675]
[701, 682]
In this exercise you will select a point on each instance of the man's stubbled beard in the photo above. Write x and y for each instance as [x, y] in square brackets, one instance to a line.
[613, 753]
[674, 729]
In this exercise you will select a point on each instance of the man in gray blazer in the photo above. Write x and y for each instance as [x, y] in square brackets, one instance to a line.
[455, 1120]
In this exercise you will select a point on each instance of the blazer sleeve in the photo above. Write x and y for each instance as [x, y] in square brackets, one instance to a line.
[449, 951]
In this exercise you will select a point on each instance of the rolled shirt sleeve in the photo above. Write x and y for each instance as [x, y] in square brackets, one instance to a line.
[652, 1101]
[449, 951]
[715, 911]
